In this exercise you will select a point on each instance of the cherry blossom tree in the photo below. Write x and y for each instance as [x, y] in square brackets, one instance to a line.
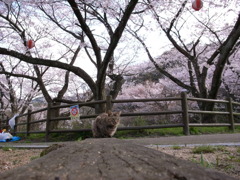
[69, 35]
[17, 92]
[21, 70]
[70, 24]
[207, 49]
[41, 77]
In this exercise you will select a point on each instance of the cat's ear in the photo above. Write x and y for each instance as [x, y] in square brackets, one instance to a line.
[119, 113]
[109, 113]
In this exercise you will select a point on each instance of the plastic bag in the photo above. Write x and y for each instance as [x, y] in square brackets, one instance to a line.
[12, 122]
[5, 136]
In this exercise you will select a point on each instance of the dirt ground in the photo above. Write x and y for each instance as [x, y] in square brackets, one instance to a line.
[225, 159]
[11, 158]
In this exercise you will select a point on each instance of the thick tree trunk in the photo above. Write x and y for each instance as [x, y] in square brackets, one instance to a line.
[100, 95]
[54, 114]
[207, 118]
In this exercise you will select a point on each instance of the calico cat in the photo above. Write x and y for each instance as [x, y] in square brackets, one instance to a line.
[105, 125]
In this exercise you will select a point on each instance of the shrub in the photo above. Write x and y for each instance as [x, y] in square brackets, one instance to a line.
[203, 149]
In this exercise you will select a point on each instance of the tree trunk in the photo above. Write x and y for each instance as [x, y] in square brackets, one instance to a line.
[54, 114]
[207, 118]
[100, 95]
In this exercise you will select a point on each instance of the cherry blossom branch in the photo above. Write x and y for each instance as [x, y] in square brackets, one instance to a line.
[87, 31]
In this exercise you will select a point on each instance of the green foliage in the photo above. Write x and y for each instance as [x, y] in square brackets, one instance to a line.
[139, 121]
[75, 136]
[149, 133]
[238, 149]
[8, 148]
[177, 147]
[57, 137]
[50, 149]
[32, 138]
[211, 130]
[204, 162]
[194, 131]
[34, 157]
[234, 158]
[237, 129]
[130, 134]
[203, 149]
[170, 131]
[36, 136]
[221, 148]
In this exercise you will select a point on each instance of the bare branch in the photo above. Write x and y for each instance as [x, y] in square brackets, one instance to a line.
[39, 61]
[87, 31]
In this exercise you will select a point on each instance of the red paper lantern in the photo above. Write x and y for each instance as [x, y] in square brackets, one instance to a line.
[197, 5]
[30, 44]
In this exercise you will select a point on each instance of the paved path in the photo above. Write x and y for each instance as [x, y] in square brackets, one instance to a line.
[168, 140]
[193, 139]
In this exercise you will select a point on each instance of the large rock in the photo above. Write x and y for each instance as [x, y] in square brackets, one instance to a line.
[95, 159]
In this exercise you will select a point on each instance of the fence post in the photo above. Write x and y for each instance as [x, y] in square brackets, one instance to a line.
[29, 116]
[185, 116]
[109, 103]
[48, 121]
[231, 117]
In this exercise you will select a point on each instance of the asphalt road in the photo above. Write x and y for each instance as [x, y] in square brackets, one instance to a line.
[231, 139]
[192, 139]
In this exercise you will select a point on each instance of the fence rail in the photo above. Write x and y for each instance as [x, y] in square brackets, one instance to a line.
[184, 112]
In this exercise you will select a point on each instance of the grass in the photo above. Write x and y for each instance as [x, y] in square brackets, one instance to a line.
[8, 148]
[55, 137]
[203, 149]
[172, 132]
[176, 147]
[208, 149]
[211, 130]
[225, 160]
[149, 133]
[125, 134]
[204, 162]
[34, 157]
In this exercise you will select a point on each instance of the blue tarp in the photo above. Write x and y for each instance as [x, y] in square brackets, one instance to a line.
[14, 138]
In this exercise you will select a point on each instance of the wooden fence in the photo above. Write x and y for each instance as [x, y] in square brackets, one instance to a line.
[184, 112]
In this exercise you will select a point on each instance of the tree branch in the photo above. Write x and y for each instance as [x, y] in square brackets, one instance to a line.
[18, 75]
[65, 86]
[114, 41]
[165, 73]
[225, 52]
[38, 61]
[87, 31]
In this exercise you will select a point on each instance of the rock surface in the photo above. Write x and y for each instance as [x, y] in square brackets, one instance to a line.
[110, 159]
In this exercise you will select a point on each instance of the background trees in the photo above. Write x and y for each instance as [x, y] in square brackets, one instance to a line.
[205, 52]
[72, 25]
[86, 40]
[17, 90]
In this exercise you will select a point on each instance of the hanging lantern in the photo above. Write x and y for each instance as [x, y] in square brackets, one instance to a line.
[197, 5]
[30, 44]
